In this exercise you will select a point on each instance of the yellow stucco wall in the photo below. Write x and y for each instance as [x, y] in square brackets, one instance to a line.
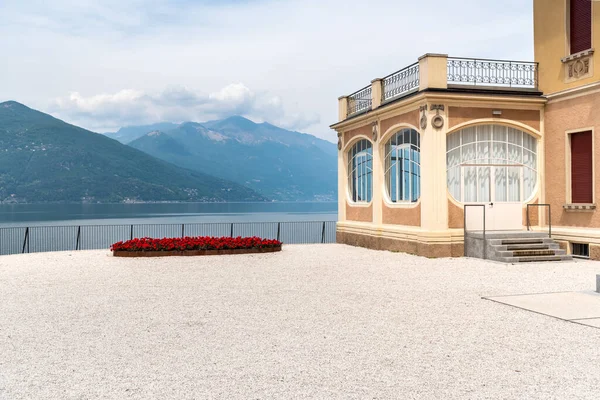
[551, 44]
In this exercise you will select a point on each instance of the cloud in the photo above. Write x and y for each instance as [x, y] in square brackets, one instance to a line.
[103, 112]
[295, 57]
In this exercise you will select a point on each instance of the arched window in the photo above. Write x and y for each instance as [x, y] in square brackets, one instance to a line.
[491, 163]
[403, 166]
[360, 172]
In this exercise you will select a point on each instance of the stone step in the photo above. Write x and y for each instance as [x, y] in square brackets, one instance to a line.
[531, 246]
[533, 252]
[525, 253]
[543, 258]
[532, 259]
[523, 241]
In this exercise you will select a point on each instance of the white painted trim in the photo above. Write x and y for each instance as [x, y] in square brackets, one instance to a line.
[574, 93]
[345, 151]
[496, 121]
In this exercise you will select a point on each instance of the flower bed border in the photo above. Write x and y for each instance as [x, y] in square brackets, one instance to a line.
[185, 253]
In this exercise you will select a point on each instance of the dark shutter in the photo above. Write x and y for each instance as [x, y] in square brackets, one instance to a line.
[581, 167]
[581, 25]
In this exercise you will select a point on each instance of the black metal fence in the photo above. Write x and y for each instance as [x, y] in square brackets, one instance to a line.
[92, 237]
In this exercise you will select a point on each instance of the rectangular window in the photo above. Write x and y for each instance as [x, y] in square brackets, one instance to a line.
[581, 250]
[581, 168]
[580, 23]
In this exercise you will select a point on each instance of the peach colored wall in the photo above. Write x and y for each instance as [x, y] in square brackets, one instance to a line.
[568, 115]
[363, 130]
[411, 117]
[459, 115]
[455, 216]
[533, 213]
[360, 214]
[402, 216]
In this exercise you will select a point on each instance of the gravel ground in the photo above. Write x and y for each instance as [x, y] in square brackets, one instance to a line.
[318, 321]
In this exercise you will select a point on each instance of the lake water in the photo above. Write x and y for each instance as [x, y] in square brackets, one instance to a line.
[26, 228]
[20, 215]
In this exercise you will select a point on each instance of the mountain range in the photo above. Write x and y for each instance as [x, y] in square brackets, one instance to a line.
[44, 159]
[278, 163]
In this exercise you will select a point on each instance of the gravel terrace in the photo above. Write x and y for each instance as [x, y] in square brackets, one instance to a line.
[314, 321]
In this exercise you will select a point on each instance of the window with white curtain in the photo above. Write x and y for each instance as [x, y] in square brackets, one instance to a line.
[360, 171]
[403, 166]
[491, 163]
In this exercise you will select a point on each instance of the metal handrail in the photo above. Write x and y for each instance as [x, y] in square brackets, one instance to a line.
[400, 79]
[549, 216]
[478, 71]
[465, 229]
[359, 101]
[26, 239]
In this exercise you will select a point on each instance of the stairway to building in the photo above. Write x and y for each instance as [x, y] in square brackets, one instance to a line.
[514, 247]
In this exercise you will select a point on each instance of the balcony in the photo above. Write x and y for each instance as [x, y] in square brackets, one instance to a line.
[438, 71]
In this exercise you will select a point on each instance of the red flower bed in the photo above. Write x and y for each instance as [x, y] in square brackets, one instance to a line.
[195, 243]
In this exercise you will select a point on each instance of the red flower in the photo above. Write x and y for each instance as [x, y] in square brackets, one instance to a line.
[194, 243]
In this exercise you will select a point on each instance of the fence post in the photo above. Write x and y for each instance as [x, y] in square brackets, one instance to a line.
[26, 240]
[131, 233]
[323, 233]
[182, 230]
[278, 230]
[231, 234]
[78, 237]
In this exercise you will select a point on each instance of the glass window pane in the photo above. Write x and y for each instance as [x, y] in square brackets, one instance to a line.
[499, 153]
[483, 181]
[453, 177]
[514, 184]
[468, 135]
[402, 182]
[515, 136]
[360, 167]
[453, 141]
[529, 182]
[484, 133]
[470, 184]
[515, 154]
[500, 184]
[499, 133]
[483, 153]
[468, 153]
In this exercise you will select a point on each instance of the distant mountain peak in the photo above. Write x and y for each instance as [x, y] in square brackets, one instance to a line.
[12, 103]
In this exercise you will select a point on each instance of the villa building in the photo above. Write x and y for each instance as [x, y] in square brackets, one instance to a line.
[516, 138]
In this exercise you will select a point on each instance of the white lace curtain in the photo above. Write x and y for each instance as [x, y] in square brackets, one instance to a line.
[491, 163]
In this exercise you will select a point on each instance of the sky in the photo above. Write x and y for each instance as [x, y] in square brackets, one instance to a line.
[112, 63]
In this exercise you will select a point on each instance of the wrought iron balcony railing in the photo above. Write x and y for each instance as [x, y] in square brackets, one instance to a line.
[400, 83]
[482, 72]
[360, 101]
[438, 71]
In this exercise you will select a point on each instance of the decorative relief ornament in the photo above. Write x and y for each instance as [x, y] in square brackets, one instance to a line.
[374, 129]
[579, 68]
[339, 143]
[437, 121]
[423, 121]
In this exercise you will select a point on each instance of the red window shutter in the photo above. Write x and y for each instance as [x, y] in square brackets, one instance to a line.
[581, 25]
[581, 167]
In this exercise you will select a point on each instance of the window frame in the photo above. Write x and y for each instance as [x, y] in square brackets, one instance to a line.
[387, 169]
[351, 182]
[568, 35]
[492, 162]
[568, 172]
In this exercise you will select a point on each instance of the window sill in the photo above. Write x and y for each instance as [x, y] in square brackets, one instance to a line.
[580, 207]
[576, 56]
